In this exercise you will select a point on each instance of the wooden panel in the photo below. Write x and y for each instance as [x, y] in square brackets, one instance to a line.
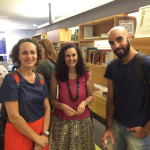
[141, 44]
[59, 35]
[99, 104]
[65, 35]
[103, 28]
[97, 74]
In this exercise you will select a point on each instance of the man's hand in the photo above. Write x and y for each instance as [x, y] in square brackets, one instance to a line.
[107, 133]
[139, 132]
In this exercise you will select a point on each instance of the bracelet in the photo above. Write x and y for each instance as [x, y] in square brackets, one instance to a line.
[87, 103]
[46, 133]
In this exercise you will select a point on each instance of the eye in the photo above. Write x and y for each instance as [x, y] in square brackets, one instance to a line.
[111, 43]
[73, 55]
[24, 53]
[33, 52]
[67, 56]
[119, 39]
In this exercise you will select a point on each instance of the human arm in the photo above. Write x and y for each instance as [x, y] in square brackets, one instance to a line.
[18, 121]
[89, 98]
[109, 113]
[46, 114]
[46, 121]
[53, 90]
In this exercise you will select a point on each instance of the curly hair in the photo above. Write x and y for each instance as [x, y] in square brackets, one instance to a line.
[62, 70]
[49, 50]
[15, 51]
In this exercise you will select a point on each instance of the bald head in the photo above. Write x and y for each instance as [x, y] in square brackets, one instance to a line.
[119, 40]
[118, 29]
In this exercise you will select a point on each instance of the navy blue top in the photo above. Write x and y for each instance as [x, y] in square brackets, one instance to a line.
[129, 95]
[30, 96]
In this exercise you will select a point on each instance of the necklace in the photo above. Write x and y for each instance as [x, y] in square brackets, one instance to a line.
[69, 91]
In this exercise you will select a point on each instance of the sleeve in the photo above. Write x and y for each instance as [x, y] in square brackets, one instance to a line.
[108, 72]
[87, 75]
[146, 64]
[9, 89]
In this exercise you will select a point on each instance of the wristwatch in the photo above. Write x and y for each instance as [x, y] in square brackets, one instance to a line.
[46, 133]
[87, 103]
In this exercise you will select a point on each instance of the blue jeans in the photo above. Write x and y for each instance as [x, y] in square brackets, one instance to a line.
[125, 140]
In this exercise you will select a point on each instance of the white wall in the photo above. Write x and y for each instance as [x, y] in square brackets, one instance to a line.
[12, 37]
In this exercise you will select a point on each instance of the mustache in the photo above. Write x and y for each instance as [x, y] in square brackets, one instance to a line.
[118, 49]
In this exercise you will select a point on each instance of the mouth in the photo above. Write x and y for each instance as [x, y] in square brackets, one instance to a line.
[29, 61]
[71, 63]
[119, 50]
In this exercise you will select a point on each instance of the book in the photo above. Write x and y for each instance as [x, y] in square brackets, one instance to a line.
[88, 32]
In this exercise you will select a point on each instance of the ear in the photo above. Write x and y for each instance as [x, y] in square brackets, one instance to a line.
[129, 37]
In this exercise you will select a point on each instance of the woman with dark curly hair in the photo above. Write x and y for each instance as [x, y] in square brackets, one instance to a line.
[71, 126]
[25, 96]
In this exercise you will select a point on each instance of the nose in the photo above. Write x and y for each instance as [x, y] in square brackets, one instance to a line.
[116, 45]
[29, 55]
[71, 57]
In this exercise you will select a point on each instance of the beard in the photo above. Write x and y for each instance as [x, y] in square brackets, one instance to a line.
[125, 51]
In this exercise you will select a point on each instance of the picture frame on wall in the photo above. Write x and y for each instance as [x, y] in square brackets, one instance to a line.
[143, 25]
[127, 22]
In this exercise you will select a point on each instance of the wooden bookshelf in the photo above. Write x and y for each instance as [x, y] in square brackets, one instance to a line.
[102, 26]
[63, 36]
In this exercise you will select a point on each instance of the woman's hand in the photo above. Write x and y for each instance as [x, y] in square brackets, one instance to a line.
[38, 147]
[81, 107]
[68, 110]
[41, 140]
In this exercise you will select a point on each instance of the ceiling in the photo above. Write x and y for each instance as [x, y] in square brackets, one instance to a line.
[31, 14]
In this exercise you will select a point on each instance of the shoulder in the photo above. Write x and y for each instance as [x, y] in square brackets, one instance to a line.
[9, 82]
[112, 63]
[146, 59]
[111, 67]
[9, 77]
[40, 76]
[146, 63]
[88, 74]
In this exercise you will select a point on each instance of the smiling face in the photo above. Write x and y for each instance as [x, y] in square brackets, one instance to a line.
[27, 54]
[71, 57]
[119, 41]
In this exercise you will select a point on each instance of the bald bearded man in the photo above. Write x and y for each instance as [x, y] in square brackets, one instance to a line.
[128, 116]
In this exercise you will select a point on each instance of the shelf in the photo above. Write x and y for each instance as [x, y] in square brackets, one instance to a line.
[98, 106]
[101, 26]
[86, 40]
[97, 74]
